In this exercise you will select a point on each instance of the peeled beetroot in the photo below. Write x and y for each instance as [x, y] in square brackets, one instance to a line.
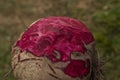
[60, 39]
[63, 34]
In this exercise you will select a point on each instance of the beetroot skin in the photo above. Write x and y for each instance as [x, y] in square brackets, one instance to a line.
[62, 34]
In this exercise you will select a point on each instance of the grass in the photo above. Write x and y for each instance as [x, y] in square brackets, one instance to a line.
[101, 16]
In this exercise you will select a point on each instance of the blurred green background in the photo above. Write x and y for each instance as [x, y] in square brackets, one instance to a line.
[101, 16]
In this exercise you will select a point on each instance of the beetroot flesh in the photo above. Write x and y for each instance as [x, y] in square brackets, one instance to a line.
[63, 34]
[78, 68]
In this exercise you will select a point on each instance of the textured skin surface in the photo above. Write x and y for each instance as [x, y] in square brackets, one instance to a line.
[26, 66]
[61, 43]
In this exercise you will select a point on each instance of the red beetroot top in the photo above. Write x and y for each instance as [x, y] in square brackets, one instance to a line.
[64, 34]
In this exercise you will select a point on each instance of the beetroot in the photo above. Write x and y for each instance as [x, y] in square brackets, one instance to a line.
[62, 34]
